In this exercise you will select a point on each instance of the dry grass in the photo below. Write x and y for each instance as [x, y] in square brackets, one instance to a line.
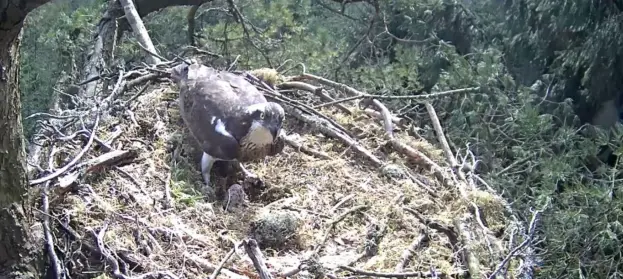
[306, 188]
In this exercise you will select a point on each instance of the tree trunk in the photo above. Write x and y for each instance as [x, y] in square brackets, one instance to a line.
[21, 237]
[139, 30]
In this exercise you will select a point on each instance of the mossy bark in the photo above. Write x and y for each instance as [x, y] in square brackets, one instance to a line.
[21, 237]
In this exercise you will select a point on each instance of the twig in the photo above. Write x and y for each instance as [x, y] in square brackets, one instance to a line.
[168, 201]
[156, 61]
[332, 224]
[307, 150]
[341, 202]
[223, 262]
[400, 146]
[396, 120]
[445, 229]
[53, 116]
[156, 275]
[409, 251]
[529, 238]
[325, 128]
[420, 274]
[99, 238]
[240, 19]
[209, 267]
[397, 97]
[233, 63]
[201, 51]
[318, 91]
[74, 161]
[54, 260]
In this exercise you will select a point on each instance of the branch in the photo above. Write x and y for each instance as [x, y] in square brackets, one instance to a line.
[318, 91]
[403, 97]
[250, 246]
[74, 161]
[420, 274]
[139, 29]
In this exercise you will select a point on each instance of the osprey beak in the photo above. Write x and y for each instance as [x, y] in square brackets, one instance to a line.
[274, 130]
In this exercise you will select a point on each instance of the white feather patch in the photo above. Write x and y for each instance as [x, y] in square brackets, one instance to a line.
[259, 135]
[254, 107]
[220, 128]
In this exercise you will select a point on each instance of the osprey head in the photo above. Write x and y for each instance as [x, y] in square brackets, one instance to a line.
[266, 121]
[185, 71]
[179, 72]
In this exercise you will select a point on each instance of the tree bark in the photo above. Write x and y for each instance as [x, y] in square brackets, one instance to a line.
[21, 237]
[139, 30]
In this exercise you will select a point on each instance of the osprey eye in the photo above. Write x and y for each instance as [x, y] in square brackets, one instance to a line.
[261, 115]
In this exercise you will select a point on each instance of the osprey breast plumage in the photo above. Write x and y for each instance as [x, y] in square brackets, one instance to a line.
[230, 119]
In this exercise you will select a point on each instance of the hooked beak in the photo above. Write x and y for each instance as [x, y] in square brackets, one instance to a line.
[274, 130]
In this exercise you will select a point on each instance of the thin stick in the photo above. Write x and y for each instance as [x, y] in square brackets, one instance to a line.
[222, 263]
[392, 275]
[54, 261]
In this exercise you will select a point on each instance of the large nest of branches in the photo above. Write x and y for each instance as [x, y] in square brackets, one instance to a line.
[354, 192]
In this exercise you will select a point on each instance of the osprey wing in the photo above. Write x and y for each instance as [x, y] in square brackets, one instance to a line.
[206, 106]
[246, 91]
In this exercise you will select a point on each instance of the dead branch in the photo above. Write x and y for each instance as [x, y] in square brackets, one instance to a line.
[72, 162]
[398, 97]
[400, 146]
[49, 241]
[326, 128]
[419, 274]
[253, 250]
[112, 158]
[139, 29]
[318, 91]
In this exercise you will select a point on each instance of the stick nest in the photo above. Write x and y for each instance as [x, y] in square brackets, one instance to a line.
[326, 208]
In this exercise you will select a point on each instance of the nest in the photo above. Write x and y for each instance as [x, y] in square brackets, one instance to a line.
[328, 207]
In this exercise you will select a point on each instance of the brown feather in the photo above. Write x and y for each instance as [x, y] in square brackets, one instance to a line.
[209, 97]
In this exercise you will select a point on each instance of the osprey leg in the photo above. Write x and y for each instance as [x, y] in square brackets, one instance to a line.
[206, 165]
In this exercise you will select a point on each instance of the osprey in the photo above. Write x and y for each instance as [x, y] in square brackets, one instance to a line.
[230, 119]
